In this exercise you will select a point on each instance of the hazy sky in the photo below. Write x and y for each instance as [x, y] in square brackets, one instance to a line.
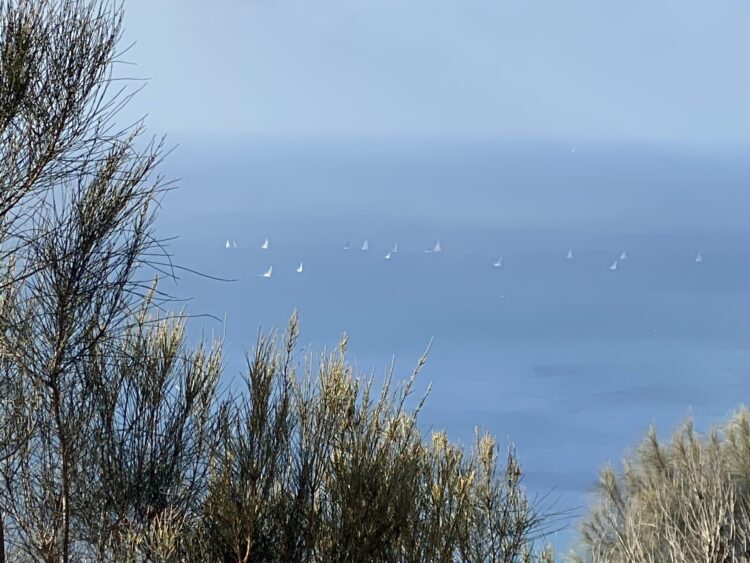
[575, 71]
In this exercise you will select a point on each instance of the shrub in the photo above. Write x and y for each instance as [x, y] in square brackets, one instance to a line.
[322, 467]
[684, 501]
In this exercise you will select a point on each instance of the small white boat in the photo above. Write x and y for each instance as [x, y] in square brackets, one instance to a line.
[267, 273]
[699, 257]
[395, 248]
[265, 244]
[234, 244]
[436, 248]
[300, 268]
[613, 266]
[227, 245]
[388, 256]
[569, 255]
[499, 263]
[365, 246]
[346, 245]
[624, 255]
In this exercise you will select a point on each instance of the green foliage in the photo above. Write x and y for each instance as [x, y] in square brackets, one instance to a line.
[322, 467]
[685, 501]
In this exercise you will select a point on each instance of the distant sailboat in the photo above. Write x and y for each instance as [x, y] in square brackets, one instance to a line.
[265, 245]
[299, 268]
[395, 248]
[569, 255]
[499, 263]
[234, 244]
[227, 245]
[365, 246]
[437, 248]
[613, 266]
[387, 256]
[346, 245]
[699, 257]
[624, 255]
[267, 273]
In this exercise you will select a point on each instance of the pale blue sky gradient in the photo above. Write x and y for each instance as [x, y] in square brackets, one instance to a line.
[571, 71]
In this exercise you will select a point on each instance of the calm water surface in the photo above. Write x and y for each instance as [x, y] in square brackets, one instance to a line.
[569, 360]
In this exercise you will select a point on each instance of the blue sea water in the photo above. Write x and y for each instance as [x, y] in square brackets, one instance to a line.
[568, 360]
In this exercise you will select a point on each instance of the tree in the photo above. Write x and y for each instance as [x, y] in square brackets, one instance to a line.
[79, 347]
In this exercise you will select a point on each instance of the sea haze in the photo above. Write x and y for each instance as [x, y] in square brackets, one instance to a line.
[569, 360]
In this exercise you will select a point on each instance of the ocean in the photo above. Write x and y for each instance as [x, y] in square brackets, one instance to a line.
[567, 359]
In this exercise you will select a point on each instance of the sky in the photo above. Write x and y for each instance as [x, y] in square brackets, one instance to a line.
[673, 72]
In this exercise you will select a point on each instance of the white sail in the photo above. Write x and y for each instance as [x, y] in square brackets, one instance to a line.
[569, 256]
[624, 255]
[437, 248]
[365, 246]
[387, 256]
[300, 268]
[395, 248]
[613, 266]
[265, 244]
[227, 245]
[346, 245]
[499, 263]
[268, 273]
[699, 257]
[234, 244]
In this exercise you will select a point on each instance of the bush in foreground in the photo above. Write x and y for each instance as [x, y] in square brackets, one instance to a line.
[321, 467]
[679, 502]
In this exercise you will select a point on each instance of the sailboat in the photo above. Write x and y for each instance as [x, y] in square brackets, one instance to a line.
[569, 255]
[395, 248]
[624, 255]
[436, 248]
[387, 256]
[227, 245]
[299, 268]
[613, 266]
[265, 244]
[499, 263]
[234, 244]
[267, 273]
[365, 246]
[699, 257]
[346, 245]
